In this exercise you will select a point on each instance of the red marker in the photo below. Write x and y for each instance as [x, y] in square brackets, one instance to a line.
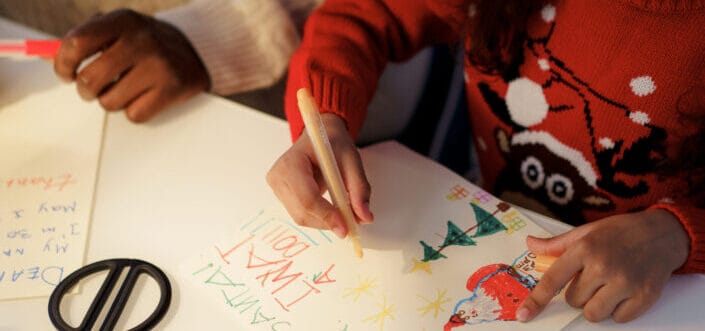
[29, 47]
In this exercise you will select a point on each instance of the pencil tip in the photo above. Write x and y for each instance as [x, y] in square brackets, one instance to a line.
[358, 249]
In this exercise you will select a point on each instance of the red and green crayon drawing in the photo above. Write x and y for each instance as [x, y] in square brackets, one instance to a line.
[497, 290]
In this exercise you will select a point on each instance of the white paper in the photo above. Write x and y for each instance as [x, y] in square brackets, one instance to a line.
[270, 274]
[49, 150]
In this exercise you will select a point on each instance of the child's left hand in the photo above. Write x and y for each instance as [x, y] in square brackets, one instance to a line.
[145, 65]
[619, 265]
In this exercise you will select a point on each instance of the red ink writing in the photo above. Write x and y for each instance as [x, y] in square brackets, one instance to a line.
[231, 250]
[325, 277]
[47, 183]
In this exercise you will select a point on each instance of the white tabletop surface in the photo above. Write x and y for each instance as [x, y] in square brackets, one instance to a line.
[167, 188]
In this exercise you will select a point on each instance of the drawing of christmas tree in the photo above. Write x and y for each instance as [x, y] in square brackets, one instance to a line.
[457, 237]
[430, 254]
[486, 225]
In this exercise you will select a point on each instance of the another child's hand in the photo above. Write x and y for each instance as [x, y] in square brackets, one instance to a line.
[297, 181]
[145, 65]
[619, 265]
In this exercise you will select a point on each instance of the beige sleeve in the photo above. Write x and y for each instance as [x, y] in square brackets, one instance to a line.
[244, 44]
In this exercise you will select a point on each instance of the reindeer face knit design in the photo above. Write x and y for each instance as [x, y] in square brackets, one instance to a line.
[580, 125]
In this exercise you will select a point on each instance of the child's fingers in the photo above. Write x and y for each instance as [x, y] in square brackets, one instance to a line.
[84, 41]
[309, 209]
[147, 105]
[312, 210]
[321, 214]
[632, 308]
[102, 27]
[350, 165]
[92, 80]
[293, 182]
[582, 289]
[67, 60]
[356, 183]
[131, 86]
[557, 245]
[604, 302]
[551, 283]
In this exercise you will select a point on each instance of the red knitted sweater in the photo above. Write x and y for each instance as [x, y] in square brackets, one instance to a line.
[576, 130]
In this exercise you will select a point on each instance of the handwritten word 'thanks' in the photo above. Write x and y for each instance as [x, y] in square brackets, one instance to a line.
[47, 183]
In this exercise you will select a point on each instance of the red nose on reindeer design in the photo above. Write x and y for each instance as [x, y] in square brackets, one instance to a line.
[497, 291]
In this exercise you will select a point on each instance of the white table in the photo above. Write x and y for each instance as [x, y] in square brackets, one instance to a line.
[167, 188]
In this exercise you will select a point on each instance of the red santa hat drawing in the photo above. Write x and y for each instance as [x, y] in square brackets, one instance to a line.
[497, 291]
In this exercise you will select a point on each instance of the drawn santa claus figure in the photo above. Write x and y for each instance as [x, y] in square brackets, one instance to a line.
[497, 290]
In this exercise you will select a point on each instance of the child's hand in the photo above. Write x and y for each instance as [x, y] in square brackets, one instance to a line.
[298, 183]
[620, 265]
[145, 64]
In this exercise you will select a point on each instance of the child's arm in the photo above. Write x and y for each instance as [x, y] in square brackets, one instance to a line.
[345, 47]
[347, 44]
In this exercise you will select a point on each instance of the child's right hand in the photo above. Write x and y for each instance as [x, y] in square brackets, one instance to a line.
[297, 181]
[145, 66]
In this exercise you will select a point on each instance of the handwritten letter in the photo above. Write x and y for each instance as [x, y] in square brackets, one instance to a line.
[49, 148]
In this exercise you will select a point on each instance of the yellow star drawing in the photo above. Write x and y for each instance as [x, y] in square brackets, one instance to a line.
[435, 305]
[421, 265]
[363, 287]
[381, 317]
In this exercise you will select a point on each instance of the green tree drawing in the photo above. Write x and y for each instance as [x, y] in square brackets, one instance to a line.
[487, 224]
[458, 237]
[430, 254]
